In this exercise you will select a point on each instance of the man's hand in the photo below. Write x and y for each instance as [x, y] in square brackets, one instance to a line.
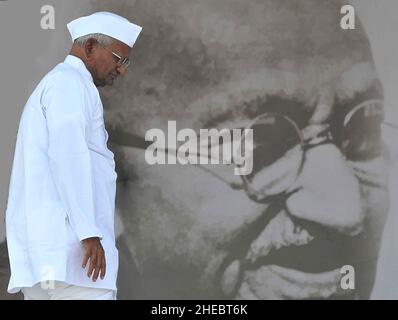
[94, 251]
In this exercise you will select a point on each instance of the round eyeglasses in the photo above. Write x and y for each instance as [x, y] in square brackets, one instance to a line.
[280, 145]
[125, 62]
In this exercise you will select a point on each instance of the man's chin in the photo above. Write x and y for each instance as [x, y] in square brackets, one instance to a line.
[103, 83]
[100, 83]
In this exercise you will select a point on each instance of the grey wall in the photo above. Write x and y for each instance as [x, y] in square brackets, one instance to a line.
[28, 53]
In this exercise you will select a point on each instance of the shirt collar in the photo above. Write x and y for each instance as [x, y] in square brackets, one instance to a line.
[78, 64]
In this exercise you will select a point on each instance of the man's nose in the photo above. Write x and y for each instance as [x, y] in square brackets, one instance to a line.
[329, 192]
[121, 70]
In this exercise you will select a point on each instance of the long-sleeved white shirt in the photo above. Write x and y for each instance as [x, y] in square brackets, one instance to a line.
[63, 183]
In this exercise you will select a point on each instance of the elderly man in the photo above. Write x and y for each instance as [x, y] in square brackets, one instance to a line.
[60, 212]
[316, 199]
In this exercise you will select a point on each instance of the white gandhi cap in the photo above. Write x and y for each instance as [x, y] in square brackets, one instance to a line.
[106, 23]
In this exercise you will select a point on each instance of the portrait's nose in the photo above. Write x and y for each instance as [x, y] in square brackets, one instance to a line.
[328, 191]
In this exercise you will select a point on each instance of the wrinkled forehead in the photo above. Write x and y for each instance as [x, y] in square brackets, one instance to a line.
[197, 60]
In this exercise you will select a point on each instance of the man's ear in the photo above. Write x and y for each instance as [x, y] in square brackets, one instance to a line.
[89, 48]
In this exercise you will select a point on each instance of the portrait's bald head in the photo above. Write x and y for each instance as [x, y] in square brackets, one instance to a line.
[221, 64]
[200, 60]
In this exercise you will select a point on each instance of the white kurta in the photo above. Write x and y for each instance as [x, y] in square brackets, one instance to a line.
[63, 183]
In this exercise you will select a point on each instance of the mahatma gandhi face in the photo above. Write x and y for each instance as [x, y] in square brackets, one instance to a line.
[221, 64]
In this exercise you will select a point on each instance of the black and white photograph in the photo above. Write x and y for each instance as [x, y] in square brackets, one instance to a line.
[199, 150]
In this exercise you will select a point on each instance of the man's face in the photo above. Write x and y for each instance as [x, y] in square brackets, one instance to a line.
[105, 68]
[219, 65]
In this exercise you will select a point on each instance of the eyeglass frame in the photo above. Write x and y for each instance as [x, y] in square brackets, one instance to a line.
[125, 62]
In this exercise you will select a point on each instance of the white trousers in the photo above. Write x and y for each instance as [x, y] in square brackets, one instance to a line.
[64, 291]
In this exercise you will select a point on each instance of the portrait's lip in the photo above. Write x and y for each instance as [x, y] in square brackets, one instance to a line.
[320, 285]
[233, 272]
[231, 269]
